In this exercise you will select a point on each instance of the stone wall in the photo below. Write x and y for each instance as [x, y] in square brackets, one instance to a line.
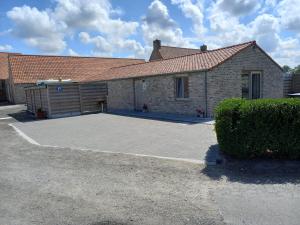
[120, 95]
[224, 81]
[159, 94]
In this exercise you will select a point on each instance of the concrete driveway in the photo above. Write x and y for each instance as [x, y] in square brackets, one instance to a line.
[48, 185]
[115, 133]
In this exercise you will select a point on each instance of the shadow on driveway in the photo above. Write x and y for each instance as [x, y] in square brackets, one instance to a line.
[165, 117]
[22, 116]
[256, 171]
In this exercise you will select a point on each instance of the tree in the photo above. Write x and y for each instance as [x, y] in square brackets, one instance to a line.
[286, 68]
[297, 69]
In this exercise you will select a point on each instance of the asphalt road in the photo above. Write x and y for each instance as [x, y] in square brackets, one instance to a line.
[114, 133]
[40, 185]
[46, 185]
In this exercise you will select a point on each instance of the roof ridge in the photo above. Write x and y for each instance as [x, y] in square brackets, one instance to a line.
[69, 56]
[11, 53]
[217, 49]
[230, 46]
[181, 47]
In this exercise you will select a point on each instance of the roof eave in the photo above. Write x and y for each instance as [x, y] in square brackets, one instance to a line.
[155, 75]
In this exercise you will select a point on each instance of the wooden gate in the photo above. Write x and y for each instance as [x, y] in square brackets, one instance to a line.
[93, 97]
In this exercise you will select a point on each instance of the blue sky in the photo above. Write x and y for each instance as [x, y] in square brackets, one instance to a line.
[127, 28]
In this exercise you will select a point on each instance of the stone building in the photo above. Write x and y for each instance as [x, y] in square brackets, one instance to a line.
[175, 80]
[191, 81]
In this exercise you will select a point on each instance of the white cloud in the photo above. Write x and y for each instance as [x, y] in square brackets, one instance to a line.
[98, 15]
[193, 11]
[37, 28]
[217, 23]
[103, 47]
[288, 11]
[157, 24]
[288, 52]
[5, 48]
[265, 30]
[94, 15]
[47, 30]
[225, 28]
[72, 52]
[238, 7]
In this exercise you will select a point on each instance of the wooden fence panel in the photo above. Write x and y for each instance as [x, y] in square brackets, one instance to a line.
[296, 83]
[92, 96]
[287, 85]
[64, 100]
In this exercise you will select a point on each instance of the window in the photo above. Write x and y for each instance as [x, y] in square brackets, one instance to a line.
[182, 87]
[245, 86]
[251, 85]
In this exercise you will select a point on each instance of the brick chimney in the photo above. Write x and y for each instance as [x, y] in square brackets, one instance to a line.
[203, 48]
[156, 44]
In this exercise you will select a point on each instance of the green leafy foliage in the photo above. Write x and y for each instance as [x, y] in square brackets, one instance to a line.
[259, 128]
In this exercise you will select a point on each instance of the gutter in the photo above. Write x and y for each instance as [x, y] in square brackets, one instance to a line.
[156, 75]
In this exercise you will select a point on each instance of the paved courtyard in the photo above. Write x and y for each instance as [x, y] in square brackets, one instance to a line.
[49, 185]
[115, 133]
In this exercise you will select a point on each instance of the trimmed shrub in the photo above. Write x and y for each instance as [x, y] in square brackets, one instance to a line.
[259, 128]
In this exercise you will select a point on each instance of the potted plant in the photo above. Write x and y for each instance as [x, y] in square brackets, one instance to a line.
[40, 114]
[200, 112]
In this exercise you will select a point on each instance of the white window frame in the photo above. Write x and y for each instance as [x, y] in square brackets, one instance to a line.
[182, 97]
[250, 74]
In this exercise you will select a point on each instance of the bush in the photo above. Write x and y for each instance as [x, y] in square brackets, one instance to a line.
[259, 128]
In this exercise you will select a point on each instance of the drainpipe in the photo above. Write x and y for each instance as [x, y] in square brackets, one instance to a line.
[205, 89]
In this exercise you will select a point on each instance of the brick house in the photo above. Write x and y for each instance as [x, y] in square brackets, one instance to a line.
[184, 81]
[18, 71]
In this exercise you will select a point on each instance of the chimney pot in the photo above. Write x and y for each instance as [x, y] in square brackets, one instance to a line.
[203, 48]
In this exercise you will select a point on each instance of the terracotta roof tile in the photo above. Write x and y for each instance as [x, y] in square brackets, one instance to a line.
[30, 68]
[4, 64]
[168, 52]
[195, 62]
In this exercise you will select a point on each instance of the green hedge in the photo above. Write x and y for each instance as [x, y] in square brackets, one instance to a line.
[259, 128]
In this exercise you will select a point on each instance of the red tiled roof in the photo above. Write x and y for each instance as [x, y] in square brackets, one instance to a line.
[168, 52]
[30, 68]
[195, 62]
[4, 64]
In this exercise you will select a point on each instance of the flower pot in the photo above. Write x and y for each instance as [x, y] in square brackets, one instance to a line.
[40, 115]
